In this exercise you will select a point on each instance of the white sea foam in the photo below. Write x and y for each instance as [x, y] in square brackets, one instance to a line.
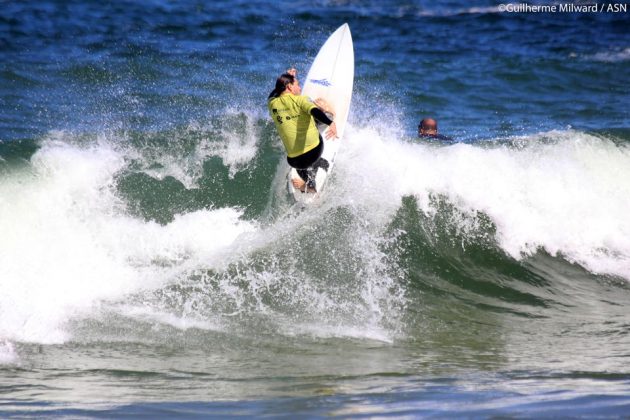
[611, 56]
[8, 354]
[67, 244]
[70, 250]
[238, 147]
[564, 191]
[323, 330]
[235, 141]
[181, 322]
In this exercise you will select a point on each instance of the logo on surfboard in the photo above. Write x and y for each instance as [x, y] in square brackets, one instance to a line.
[323, 82]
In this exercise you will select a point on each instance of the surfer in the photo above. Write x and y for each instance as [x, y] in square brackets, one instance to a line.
[294, 116]
[428, 128]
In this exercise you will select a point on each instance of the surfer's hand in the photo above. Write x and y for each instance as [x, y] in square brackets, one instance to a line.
[332, 131]
[292, 71]
[324, 106]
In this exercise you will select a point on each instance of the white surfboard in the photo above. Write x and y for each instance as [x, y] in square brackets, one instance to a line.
[330, 77]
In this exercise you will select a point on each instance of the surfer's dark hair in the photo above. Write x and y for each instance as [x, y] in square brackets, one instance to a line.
[281, 84]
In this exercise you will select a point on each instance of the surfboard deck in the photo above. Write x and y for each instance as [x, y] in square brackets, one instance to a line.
[330, 78]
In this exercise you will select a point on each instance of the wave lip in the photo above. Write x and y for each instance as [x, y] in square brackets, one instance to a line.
[564, 192]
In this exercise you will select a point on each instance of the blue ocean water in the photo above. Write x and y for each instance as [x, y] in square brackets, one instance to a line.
[152, 263]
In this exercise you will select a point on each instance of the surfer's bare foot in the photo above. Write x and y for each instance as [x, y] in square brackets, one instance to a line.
[299, 184]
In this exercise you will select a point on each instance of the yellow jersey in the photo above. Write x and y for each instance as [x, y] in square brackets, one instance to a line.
[292, 116]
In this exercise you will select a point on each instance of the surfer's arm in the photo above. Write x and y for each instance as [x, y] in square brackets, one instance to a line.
[320, 116]
[323, 105]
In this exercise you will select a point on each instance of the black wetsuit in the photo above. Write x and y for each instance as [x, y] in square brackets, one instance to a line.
[435, 137]
[308, 163]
